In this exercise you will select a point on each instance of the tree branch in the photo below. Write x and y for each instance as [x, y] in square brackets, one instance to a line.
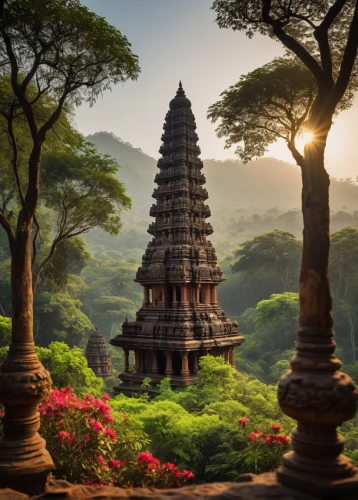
[5, 223]
[348, 60]
[291, 43]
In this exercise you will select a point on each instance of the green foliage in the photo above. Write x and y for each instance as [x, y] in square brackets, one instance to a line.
[269, 103]
[68, 367]
[58, 317]
[5, 331]
[279, 251]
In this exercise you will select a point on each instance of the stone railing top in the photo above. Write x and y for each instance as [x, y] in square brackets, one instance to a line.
[249, 487]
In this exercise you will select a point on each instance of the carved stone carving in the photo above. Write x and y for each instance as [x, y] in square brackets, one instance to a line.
[180, 264]
[320, 398]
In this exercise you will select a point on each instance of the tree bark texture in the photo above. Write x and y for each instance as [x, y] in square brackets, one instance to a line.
[24, 461]
[315, 392]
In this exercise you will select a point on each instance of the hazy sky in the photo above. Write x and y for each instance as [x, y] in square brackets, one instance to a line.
[178, 39]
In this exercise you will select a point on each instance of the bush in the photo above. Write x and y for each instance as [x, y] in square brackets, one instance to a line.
[88, 446]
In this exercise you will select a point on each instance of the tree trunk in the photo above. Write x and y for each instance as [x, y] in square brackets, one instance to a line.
[315, 295]
[315, 393]
[24, 461]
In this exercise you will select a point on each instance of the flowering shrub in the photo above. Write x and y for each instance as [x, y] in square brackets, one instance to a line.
[249, 451]
[89, 446]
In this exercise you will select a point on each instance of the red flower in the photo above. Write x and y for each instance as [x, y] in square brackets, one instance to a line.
[100, 459]
[114, 464]
[268, 439]
[243, 421]
[276, 428]
[255, 435]
[105, 397]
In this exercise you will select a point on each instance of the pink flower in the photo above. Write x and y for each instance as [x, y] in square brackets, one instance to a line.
[114, 464]
[109, 432]
[146, 457]
[105, 397]
[63, 436]
[87, 438]
[187, 474]
[97, 425]
[100, 459]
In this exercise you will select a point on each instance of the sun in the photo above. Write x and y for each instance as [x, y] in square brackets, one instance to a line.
[307, 137]
[302, 140]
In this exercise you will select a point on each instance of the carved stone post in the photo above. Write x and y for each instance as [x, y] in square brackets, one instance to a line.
[141, 355]
[146, 295]
[24, 461]
[232, 357]
[136, 361]
[126, 360]
[320, 398]
[184, 364]
[195, 362]
[184, 295]
[154, 367]
[168, 364]
[227, 355]
[174, 303]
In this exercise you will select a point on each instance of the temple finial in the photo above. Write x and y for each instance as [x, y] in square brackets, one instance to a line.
[180, 85]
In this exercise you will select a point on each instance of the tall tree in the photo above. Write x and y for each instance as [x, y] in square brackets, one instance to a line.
[323, 35]
[63, 51]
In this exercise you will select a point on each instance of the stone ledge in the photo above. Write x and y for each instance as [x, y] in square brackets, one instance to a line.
[248, 487]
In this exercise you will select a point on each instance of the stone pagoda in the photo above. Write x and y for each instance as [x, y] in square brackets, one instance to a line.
[180, 319]
[97, 356]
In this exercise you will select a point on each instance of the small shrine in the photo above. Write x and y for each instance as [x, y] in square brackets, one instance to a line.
[181, 319]
[97, 356]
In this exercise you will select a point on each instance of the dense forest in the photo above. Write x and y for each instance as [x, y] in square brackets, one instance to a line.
[89, 283]
[74, 215]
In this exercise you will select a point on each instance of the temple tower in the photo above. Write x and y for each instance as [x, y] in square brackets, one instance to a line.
[97, 356]
[180, 319]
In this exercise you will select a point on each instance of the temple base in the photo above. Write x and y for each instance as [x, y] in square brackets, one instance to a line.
[132, 383]
[326, 481]
[25, 465]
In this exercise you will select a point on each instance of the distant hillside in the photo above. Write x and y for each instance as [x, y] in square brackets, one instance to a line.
[245, 200]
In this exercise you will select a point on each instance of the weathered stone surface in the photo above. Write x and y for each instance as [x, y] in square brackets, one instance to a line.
[249, 487]
[181, 319]
[97, 356]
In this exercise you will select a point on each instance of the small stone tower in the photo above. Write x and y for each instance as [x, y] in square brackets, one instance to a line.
[180, 319]
[97, 356]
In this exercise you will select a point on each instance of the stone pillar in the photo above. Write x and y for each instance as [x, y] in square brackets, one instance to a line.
[184, 295]
[195, 363]
[227, 355]
[142, 361]
[174, 296]
[184, 364]
[213, 298]
[154, 367]
[231, 358]
[146, 295]
[136, 361]
[126, 360]
[24, 461]
[206, 293]
[168, 364]
[320, 398]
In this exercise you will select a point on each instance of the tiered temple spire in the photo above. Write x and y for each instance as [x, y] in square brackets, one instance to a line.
[180, 319]
[97, 356]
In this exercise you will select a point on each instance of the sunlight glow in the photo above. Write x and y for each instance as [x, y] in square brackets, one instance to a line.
[307, 137]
